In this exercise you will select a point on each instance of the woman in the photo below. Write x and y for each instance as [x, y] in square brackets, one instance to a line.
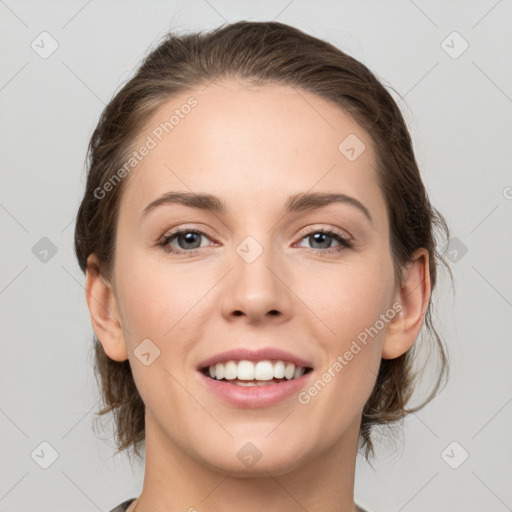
[254, 363]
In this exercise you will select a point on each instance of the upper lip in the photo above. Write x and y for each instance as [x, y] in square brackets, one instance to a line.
[261, 354]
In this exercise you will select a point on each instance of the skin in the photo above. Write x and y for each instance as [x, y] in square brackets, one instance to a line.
[253, 147]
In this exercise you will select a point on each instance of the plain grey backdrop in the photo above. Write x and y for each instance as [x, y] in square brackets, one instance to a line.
[63, 61]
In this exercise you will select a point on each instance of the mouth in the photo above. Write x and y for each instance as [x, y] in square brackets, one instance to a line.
[247, 373]
[246, 378]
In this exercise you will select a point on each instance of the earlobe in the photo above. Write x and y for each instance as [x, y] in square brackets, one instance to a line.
[413, 295]
[104, 312]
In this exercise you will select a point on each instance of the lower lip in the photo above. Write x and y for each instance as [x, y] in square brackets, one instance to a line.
[253, 397]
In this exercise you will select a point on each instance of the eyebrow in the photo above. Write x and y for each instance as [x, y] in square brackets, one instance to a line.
[297, 203]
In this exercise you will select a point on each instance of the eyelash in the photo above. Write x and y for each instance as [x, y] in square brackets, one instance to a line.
[345, 242]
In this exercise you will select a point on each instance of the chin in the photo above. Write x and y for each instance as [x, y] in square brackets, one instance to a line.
[244, 458]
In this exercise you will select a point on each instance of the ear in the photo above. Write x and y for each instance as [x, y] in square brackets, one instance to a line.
[413, 295]
[105, 317]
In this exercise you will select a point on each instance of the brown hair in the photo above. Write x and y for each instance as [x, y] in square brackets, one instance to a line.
[259, 53]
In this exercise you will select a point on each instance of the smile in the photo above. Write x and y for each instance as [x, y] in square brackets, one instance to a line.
[249, 385]
[255, 373]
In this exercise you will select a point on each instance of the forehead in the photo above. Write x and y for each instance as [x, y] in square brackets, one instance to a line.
[258, 143]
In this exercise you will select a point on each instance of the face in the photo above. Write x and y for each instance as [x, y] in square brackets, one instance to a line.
[265, 273]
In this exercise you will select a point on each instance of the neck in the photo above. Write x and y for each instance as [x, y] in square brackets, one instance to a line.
[175, 481]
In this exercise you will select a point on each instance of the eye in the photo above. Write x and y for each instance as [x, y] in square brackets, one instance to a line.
[188, 240]
[324, 238]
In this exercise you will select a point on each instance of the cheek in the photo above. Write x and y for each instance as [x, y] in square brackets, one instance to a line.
[160, 302]
[143, 298]
[157, 304]
[342, 299]
[353, 296]
[351, 306]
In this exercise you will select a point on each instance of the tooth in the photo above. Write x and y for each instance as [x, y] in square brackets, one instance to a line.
[264, 370]
[246, 383]
[298, 372]
[245, 370]
[279, 370]
[289, 371]
[230, 370]
[219, 371]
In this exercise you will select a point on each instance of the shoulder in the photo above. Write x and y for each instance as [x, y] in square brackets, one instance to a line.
[123, 506]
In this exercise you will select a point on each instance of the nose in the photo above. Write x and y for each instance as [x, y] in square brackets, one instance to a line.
[258, 288]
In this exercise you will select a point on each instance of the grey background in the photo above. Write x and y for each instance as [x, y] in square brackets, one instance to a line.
[458, 111]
